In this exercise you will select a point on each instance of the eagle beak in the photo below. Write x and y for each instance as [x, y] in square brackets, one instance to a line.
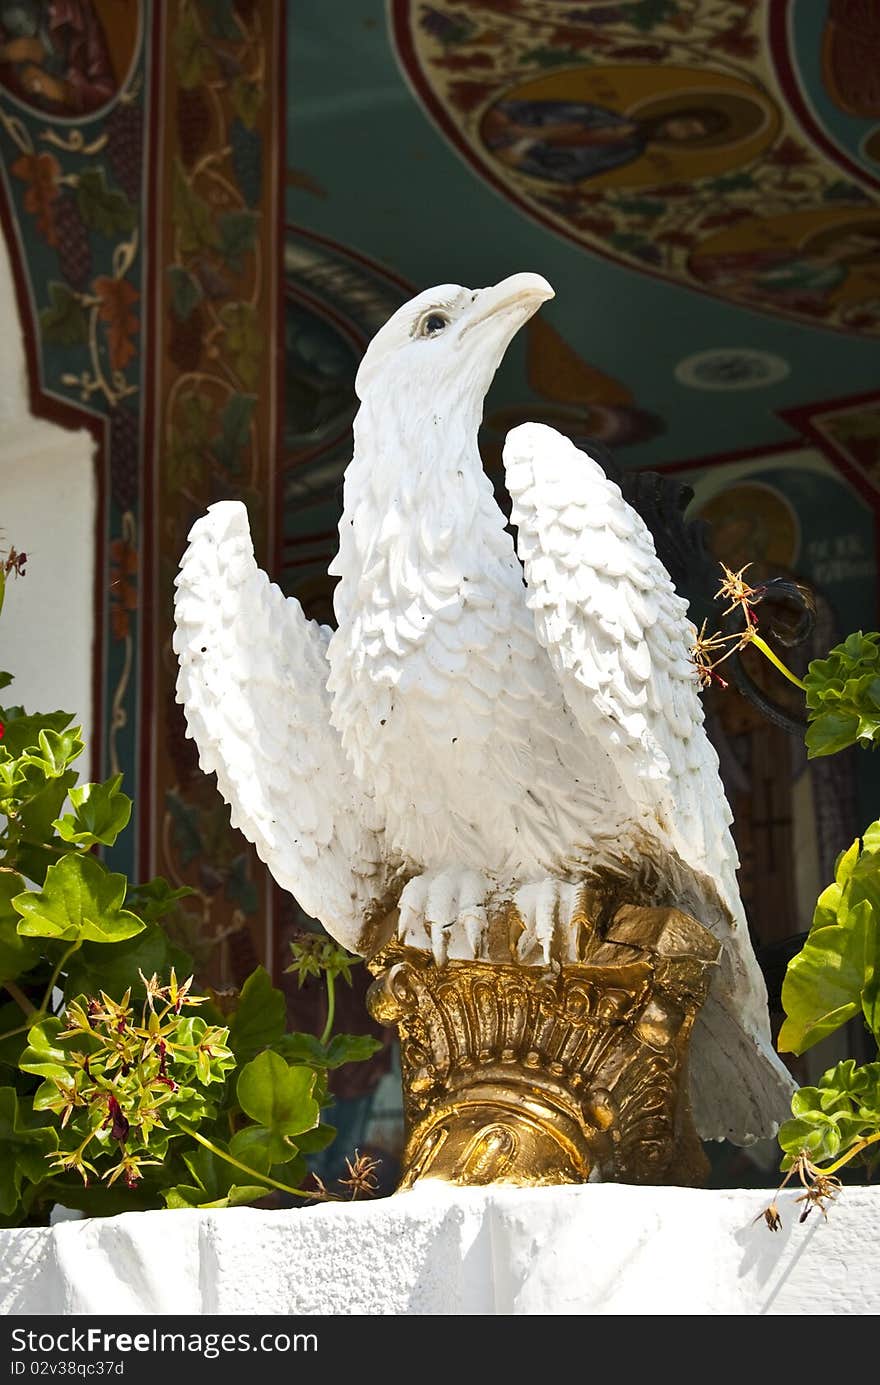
[510, 304]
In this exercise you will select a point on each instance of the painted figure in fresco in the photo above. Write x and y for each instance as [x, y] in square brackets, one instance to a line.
[55, 55]
[794, 277]
[569, 141]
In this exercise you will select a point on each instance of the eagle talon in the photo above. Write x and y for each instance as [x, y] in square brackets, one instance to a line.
[446, 908]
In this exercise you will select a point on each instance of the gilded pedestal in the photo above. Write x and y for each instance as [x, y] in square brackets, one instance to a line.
[528, 1075]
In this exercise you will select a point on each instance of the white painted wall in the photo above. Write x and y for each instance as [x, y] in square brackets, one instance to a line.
[597, 1250]
[47, 509]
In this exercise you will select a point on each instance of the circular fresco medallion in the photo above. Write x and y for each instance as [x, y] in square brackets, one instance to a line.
[733, 368]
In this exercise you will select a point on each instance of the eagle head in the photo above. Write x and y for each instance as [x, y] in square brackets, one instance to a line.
[450, 336]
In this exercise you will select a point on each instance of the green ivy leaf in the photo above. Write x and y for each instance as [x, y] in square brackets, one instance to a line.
[193, 59]
[100, 813]
[314, 1141]
[239, 887]
[192, 217]
[23, 1150]
[55, 751]
[81, 901]
[343, 1048]
[238, 1195]
[247, 99]
[831, 1117]
[17, 954]
[843, 695]
[186, 827]
[816, 1134]
[244, 339]
[155, 900]
[235, 426]
[221, 19]
[44, 1056]
[296, 1048]
[350, 1048]
[22, 731]
[276, 1096]
[103, 209]
[871, 1006]
[186, 292]
[193, 424]
[213, 1184]
[831, 732]
[263, 1149]
[35, 852]
[238, 234]
[824, 983]
[210, 1056]
[64, 322]
[12, 778]
[259, 1018]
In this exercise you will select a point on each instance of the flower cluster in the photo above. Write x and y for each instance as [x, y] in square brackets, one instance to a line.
[709, 651]
[119, 1079]
[820, 1189]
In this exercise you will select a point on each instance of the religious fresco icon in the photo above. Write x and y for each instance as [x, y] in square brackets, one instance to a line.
[818, 264]
[66, 58]
[598, 124]
[670, 137]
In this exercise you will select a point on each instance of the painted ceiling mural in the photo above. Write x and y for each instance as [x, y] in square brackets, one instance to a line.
[667, 134]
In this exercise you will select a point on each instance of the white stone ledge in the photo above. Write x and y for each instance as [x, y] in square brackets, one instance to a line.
[586, 1250]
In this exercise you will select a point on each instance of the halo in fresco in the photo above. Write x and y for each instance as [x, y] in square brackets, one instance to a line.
[670, 137]
[751, 522]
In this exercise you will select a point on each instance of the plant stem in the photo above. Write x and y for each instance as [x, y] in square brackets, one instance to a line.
[765, 649]
[57, 972]
[331, 1006]
[851, 1154]
[20, 998]
[251, 1173]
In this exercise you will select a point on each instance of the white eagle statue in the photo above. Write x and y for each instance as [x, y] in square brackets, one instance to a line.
[488, 723]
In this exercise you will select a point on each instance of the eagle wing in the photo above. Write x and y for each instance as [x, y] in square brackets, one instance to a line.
[618, 638]
[252, 681]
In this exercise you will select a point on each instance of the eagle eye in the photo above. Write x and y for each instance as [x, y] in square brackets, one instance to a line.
[433, 323]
